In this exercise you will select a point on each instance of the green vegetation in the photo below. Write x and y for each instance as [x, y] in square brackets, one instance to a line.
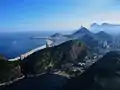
[9, 70]
[55, 57]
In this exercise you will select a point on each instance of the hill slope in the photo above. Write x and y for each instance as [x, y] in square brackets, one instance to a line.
[9, 70]
[103, 75]
[54, 58]
[81, 32]
[104, 36]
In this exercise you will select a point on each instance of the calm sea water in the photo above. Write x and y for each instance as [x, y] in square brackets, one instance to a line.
[15, 44]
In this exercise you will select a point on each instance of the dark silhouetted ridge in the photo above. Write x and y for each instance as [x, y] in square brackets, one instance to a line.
[103, 75]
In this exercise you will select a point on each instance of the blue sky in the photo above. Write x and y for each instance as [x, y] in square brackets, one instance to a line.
[25, 15]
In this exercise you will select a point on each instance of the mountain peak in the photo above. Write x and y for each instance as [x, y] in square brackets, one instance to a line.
[102, 32]
[104, 35]
[56, 35]
[106, 24]
[82, 30]
[94, 24]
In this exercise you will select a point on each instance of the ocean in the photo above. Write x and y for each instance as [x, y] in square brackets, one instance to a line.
[15, 44]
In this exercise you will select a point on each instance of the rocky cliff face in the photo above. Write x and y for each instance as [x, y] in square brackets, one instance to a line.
[103, 75]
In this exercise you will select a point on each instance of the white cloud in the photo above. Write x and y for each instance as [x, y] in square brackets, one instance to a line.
[109, 17]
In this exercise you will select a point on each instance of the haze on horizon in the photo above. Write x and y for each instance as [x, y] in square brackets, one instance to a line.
[29, 15]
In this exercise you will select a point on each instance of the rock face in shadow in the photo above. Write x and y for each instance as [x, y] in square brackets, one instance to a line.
[103, 75]
[43, 82]
[9, 70]
[54, 57]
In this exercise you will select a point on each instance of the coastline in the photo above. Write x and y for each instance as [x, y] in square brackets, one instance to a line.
[22, 56]
[12, 81]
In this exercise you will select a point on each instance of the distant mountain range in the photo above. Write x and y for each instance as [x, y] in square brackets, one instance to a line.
[109, 28]
[85, 35]
[83, 31]
[100, 35]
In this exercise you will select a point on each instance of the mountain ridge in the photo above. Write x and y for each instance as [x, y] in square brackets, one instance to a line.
[55, 57]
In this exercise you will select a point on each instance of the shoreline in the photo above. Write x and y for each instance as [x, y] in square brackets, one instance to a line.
[12, 81]
[18, 79]
[22, 56]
